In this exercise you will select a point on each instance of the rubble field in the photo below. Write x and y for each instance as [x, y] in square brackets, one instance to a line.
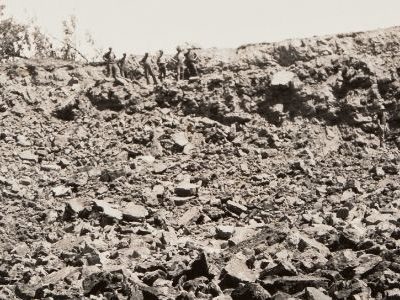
[262, 179]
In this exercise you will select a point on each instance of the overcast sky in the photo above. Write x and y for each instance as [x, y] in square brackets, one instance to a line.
[136, 26]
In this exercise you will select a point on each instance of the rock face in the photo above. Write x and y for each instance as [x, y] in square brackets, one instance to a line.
[262, 179]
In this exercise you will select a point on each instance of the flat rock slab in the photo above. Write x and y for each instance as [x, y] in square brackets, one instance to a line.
[250, 291]
[185, 189]
[235, 207]
[134, 212]
[60, 191]
[189, 216]
[28, 156]
[160, 168]
[180, 139]
[282, 79]
[315, 294]
[236, 271]
[294, 284]
[50, 167]
[224, 232]
[108, 210]
[75, 205]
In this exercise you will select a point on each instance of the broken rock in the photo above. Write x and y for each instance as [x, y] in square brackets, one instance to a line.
[185, 189]
[134, 212]
[107, 209]
[250, 291]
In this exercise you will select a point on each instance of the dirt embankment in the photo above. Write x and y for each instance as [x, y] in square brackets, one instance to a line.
[263, 179]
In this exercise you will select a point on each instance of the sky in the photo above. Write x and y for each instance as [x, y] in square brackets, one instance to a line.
[138, 26]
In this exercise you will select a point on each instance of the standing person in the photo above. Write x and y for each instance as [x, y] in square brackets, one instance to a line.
[383, 127]
[180, 63]
[161, 63]
[147, 68]
[121, 65]
[191, 60]
[109, 57]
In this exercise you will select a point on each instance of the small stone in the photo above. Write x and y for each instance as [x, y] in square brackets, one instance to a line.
[74, 206]
[192, 215]
[199, 267]
[23, 141]
[366, 263]
[343, 213]
[160, 168]
[250, 291]
[25, 181]
[282, 268]
[158, 190]
[343, 259]
[224, 232]
[379, 172]
[180, 139]
[185, 189]
[26, 291]
[181, 200]
[308, 242]
[188, 148]
[147, 159]
[60, 275]
[294, 284]
[61, 190]
[46, 167]
[393, 294]
[283, 79]
[313, 293]
[241, 234]
[21, 249]
[375, 218]
[235, 207]
[28, 156]
[237, 271]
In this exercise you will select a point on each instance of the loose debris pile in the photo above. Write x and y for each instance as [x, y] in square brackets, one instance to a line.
[262, 180]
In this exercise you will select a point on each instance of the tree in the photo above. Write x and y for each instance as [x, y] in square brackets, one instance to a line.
[42, 44]
[14, 37]
[69, 41]
[17, 38]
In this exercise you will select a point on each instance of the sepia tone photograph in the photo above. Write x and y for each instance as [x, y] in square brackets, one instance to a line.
[213, 149]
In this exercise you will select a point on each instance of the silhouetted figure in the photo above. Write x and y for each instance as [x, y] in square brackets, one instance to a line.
[382, 120]
[122, 65]
[109, 57]
[147, 69]
[162, 66]
[191, 60]
[180, 63]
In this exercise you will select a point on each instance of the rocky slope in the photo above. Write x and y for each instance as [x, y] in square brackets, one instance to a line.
[263, 179]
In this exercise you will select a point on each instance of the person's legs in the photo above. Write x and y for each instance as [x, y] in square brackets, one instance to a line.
[194, 68]
[178, 72]
[163, 72]
[152, 75]
[108, 70]
[160, 73]
[146, 73]
[182, 72]
[382, 133]
[114, 70]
